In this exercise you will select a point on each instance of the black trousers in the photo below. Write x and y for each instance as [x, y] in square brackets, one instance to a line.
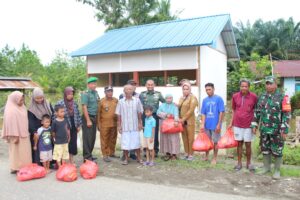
[156, 136]
[88, 137]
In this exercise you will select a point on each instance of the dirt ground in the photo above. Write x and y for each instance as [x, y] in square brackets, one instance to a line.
[189, 175]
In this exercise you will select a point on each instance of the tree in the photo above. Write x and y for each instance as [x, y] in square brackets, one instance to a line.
[124, 13]
[27, 63]
[280, 38]
[255, 71]
[7, 59]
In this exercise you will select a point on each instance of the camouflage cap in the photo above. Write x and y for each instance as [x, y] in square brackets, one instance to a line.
[108, 88]
[270, 79]
[92, 79]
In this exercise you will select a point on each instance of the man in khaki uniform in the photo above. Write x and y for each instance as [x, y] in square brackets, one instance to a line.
[107, 124]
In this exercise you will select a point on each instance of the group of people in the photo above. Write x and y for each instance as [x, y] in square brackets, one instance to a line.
[51, 133]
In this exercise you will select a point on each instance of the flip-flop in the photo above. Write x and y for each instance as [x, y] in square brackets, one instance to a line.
[167, 157]
[237, 167]
[125, 162]
[251, 168]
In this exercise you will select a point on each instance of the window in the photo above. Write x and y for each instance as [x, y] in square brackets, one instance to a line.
[120, 79]
[156, 76]
[174, 77]
[103, 79]
[297, 84]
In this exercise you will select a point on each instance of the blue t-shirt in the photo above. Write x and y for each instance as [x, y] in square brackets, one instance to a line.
[45, 141]
[149, 124]
[211, 108]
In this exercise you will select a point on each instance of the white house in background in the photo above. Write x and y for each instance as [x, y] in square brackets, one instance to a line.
[289, 73]
[196, 49]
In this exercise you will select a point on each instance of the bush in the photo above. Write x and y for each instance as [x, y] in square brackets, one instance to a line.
[291, 156]
[295, 101]
[296, 112]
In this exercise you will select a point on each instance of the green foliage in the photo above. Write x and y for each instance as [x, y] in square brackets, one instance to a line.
[295, 101]
[254, 71]
[279, 38]
[296, 112]
[61, 72]
[291, 156]
[124, 13]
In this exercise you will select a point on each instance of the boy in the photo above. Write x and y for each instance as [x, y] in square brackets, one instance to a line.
[44, 141]
[61, 135]
[149, 131]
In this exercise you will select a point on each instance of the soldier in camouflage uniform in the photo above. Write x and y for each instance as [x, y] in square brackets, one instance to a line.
[274, 125]
[152, 98]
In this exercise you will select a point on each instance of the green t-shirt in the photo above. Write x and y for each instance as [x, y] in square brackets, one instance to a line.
[90, 99]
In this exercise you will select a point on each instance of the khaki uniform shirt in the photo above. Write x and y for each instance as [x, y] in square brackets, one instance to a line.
[106, 112]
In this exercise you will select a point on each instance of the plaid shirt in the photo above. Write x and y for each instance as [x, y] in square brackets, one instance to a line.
[77, 117]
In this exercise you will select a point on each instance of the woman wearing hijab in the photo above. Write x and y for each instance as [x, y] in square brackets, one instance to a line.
[169, 143]
[187, 104]
[74, 119]
[15, 131]
[38, 107]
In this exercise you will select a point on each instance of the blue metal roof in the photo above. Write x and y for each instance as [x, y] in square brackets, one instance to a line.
[168, 34]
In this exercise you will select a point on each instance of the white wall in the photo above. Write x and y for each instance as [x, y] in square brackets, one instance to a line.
[155, 60]
[220, 45]
[213, 68]
[289, 86]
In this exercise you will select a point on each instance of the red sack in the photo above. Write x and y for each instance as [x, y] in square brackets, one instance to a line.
[31, 171]
[89, 169]
[66, 172]
[227, 140]
[168, 126]
[286, 105]
[202, 142]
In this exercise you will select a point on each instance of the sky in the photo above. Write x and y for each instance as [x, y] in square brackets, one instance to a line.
[49, 26]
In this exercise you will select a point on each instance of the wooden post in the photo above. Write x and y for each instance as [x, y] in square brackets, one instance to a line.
[165, 77]
[110, 79]
[136, 78]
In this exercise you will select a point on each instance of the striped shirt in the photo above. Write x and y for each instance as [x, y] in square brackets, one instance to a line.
[128, 109]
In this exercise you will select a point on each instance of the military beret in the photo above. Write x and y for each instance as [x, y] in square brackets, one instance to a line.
[92, 79]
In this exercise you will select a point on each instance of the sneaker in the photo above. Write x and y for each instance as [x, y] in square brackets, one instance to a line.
[106, 159]
[151, 164]
[184, 158]
[146, 163]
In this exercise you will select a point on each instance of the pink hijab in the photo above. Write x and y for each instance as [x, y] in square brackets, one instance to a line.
[15, 122]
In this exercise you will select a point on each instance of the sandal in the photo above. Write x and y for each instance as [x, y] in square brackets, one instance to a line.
[251, 168]
[237, 167]
[167, 157]
[173, 157]
[140, 161]
[125, 162]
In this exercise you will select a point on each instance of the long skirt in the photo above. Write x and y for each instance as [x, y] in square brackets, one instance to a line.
[20, 153]
[170, 143]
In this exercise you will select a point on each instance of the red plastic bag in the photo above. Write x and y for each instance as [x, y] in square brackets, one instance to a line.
[227, 140]
[202, 142]
[286, 105]
[168, 126]
[67, 173]
[89, 169]
[31, 171]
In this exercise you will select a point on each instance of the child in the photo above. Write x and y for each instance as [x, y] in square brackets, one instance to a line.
[44, 141]
[61, 135]
[149, 131]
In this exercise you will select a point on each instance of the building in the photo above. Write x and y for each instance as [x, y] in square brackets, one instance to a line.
[16, 83]
[196, 49]
[289, 73]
